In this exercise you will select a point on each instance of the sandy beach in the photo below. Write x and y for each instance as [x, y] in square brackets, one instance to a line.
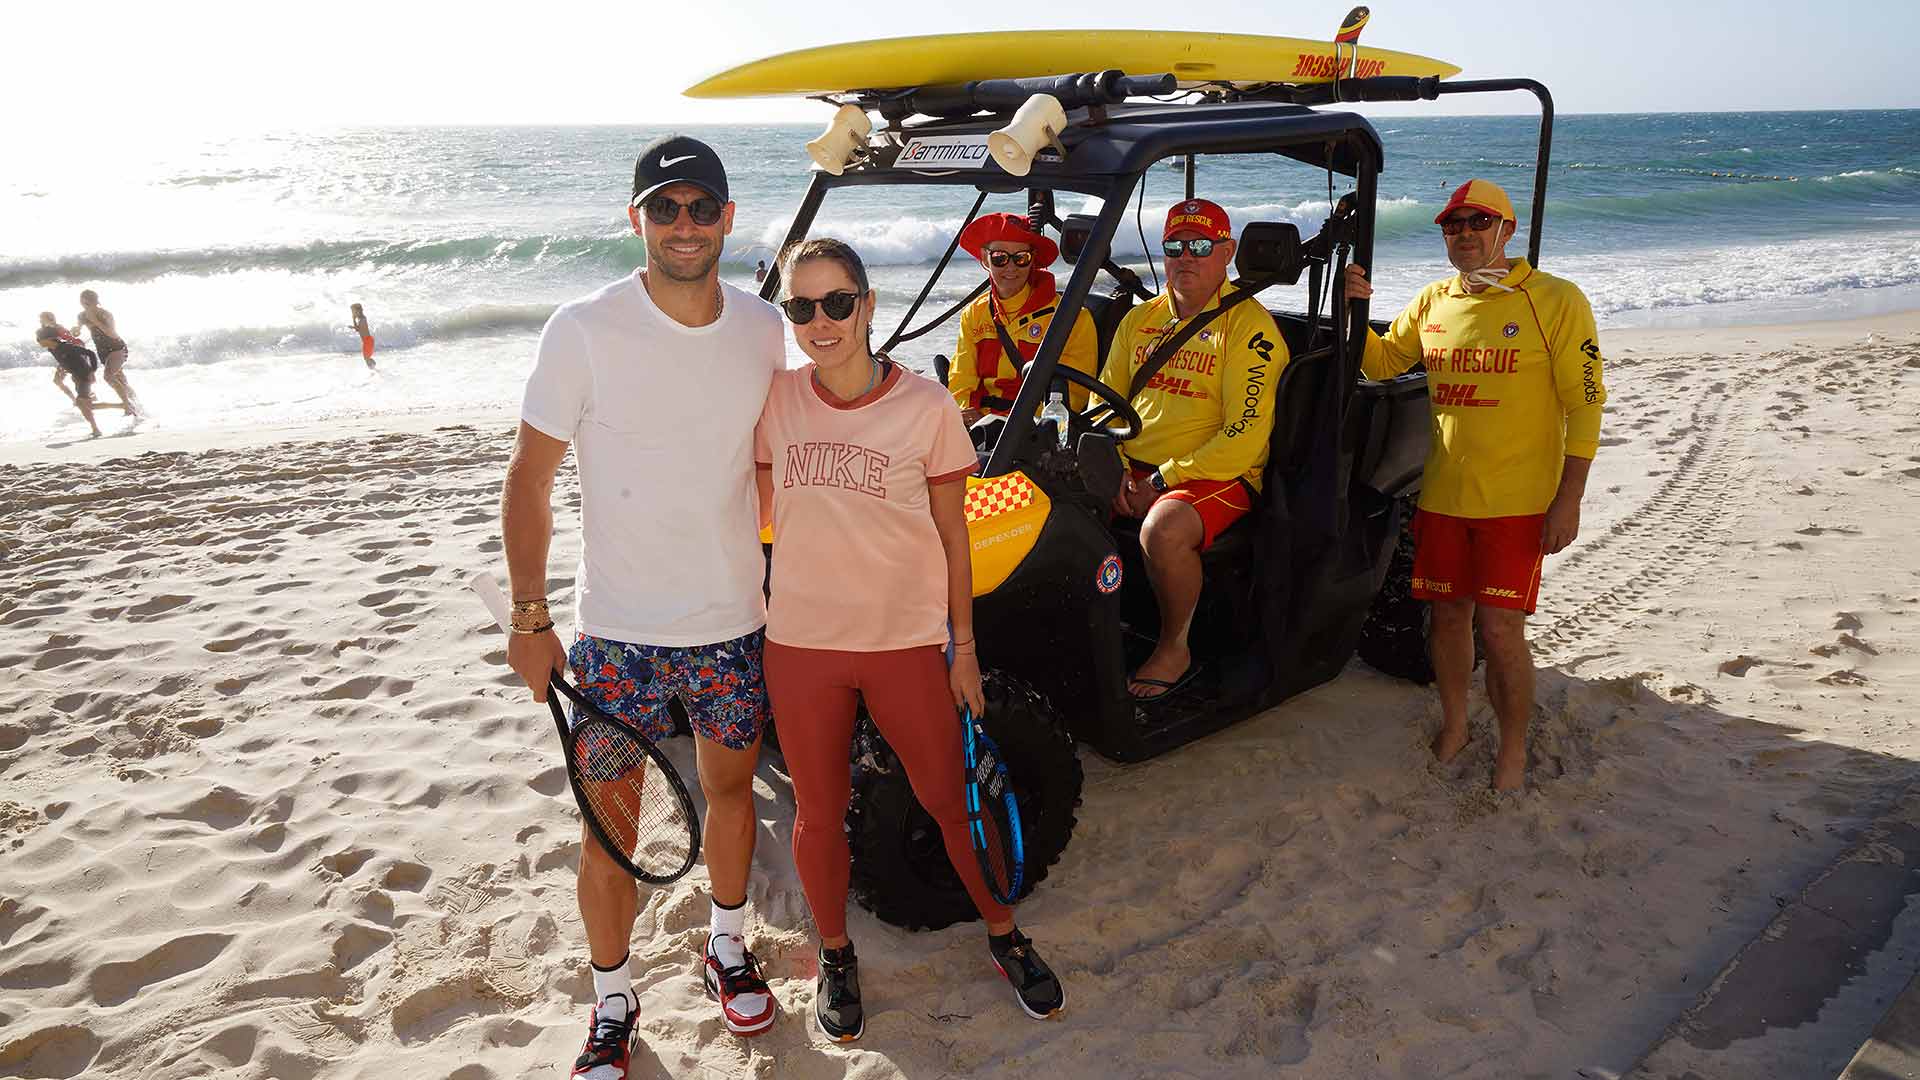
[272, 805]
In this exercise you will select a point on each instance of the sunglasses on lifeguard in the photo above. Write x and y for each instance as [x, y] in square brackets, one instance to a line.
[1199, 249]
[1017, 258]
[837, 304]
[1454, 226]
[704, 210]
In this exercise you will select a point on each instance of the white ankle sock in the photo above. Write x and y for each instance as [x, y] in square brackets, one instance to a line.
[617, 981]
[726, 929]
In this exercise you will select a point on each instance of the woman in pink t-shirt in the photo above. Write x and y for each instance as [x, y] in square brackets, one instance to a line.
[863, 465]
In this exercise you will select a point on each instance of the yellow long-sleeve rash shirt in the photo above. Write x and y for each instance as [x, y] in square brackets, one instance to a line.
[1515, 380]
[1208, 413]
[976, 325]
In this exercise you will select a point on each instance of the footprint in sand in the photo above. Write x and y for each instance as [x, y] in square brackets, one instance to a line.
[62, 1050]
[345, 864]
[1847, 620]
[1739, 666]
[159, 605]
[1847, 677]
[113, 984]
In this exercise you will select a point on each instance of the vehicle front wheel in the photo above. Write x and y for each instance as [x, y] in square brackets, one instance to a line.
[900, 869]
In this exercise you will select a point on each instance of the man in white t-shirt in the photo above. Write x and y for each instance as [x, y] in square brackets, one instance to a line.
[657, 381]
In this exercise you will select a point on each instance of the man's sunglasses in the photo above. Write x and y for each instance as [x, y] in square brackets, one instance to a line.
[1199, 249]
[704, 210]
[1017, 258]
[1454, 226]
[837, 304]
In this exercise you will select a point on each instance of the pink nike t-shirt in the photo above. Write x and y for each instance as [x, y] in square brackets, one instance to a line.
[857, 562]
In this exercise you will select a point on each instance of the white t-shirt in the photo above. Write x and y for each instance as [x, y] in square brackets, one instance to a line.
[661, 418]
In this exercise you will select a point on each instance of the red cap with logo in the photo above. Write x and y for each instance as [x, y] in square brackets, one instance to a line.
[1199, 214]
[987, 228]
[1482, 195]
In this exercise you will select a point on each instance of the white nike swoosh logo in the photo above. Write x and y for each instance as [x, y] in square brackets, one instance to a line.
[668, 163]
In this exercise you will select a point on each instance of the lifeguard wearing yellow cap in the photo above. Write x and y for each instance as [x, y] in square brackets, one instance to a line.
[1482, 195]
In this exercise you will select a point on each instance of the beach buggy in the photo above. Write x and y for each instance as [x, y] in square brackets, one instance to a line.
[1063, 607]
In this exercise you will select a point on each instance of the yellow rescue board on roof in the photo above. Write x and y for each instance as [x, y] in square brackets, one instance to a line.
[937, 59]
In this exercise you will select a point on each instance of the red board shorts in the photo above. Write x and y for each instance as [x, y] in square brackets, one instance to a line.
[366, 346]
[1491, 561]
[1219, 503]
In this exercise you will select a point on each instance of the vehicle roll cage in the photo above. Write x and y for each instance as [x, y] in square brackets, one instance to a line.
[1110, 147]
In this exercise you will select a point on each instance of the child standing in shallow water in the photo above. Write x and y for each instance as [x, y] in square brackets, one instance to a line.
[366, 335]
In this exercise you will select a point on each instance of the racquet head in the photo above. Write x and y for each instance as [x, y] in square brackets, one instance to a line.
[994, 815]
[631, 797]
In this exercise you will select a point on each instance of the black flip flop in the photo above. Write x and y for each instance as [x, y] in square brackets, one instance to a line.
[1166, 688]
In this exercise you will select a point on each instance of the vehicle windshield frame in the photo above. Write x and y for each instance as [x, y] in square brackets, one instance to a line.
[1121, 150]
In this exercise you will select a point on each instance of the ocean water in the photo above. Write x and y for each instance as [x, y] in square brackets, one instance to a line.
[230, 262]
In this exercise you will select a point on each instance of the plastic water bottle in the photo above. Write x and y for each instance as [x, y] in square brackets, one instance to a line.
[1056, 411]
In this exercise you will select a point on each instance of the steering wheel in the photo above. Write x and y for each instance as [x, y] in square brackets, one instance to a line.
[1098, 414]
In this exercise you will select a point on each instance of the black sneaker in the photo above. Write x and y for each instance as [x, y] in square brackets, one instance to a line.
[1034, 983]
[608, 1041]
[836, 996]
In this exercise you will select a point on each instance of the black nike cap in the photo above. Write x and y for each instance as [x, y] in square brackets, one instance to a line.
[678, 159]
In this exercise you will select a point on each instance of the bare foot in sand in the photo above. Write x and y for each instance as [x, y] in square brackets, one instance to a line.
[1510, 770]
[1162, 671]
[1448, 743]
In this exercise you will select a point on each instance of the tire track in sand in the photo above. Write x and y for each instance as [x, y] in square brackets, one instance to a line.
[1666, 540]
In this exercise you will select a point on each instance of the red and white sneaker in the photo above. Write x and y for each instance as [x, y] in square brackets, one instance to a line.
[609, 1040]
[745, 1002]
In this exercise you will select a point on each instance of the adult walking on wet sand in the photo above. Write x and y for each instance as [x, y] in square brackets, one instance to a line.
[111, 348]
[1514, 375]
[71, 358]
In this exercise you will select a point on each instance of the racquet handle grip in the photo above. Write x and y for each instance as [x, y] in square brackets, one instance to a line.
[495, 600]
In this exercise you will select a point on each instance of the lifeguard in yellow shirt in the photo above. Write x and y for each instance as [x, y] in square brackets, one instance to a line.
[1023, 300]
[1514, 375]
[1205, 418]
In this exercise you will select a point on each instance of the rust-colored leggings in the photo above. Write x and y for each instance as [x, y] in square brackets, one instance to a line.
[813, 696]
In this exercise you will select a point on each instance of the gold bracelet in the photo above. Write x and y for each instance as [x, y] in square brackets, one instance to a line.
[530, 630]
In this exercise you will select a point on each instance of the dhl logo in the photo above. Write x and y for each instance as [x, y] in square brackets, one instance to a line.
[1504, 594]
[1460, 395]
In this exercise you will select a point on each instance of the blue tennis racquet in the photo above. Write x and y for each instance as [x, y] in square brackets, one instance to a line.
[993, 814]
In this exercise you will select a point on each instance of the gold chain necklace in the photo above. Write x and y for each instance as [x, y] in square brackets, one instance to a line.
[719, 295]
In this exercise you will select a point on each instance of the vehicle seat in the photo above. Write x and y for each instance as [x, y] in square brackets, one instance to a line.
[1107, 311]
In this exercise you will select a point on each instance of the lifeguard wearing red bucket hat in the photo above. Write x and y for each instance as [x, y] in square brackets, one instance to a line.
[988, 228]
[985, 374]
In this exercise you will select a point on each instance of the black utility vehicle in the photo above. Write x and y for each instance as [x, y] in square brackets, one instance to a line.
[1064, 610]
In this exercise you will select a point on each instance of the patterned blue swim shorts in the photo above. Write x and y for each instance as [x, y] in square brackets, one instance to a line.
[721, 685]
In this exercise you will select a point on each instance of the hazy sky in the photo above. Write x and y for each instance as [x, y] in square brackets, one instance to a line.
[151, 68]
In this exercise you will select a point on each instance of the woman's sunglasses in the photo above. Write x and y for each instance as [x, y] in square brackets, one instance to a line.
[1199, 249]
[704, 210]
[1454, 226]
[837, 304]
[1017, 258]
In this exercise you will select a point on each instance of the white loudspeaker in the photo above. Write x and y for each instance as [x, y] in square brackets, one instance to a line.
[1038, 123]
[846, 135]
